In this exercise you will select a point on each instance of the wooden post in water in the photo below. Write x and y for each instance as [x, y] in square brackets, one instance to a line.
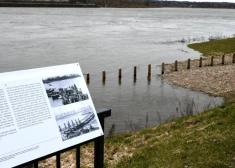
[103, 76]
[233, 57]
[222, 60]
[120, 75]
[163, 67]
[87, 78]
[135, 73]
[212, 58]
[176, 65]
[188, 65]
[200, 62]
[149, 72]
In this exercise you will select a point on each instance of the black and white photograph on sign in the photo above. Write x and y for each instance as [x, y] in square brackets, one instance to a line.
[63, 90]
[76, 122]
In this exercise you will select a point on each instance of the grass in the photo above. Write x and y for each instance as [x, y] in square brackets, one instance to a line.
[204, 140]
[215, 47]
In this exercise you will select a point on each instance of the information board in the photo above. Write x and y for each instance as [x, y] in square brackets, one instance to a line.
[42, 111]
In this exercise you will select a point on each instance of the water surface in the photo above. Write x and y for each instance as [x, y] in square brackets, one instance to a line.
[108, 39]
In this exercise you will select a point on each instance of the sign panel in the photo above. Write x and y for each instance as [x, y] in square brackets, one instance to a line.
[43, 111]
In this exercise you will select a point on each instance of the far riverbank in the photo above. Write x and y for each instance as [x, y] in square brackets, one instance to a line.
[116, 4]
[48, 4]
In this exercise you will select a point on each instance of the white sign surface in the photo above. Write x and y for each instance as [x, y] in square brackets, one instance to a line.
[43, 111]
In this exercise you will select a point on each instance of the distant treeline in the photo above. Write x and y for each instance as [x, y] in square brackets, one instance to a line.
[48, 3]
[40, 1]
[159, 4]
[115, 3]
[193, 4]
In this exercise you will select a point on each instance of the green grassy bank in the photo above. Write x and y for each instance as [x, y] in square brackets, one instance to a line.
[215, 47]
[204, 140]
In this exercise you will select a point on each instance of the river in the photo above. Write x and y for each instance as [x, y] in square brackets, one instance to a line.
[109, 39]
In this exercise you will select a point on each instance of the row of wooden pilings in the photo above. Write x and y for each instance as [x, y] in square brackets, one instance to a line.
[200, 63]
[120, 75]
[162, 69]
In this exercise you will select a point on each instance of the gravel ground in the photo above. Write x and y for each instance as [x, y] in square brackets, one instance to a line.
[213, 80]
